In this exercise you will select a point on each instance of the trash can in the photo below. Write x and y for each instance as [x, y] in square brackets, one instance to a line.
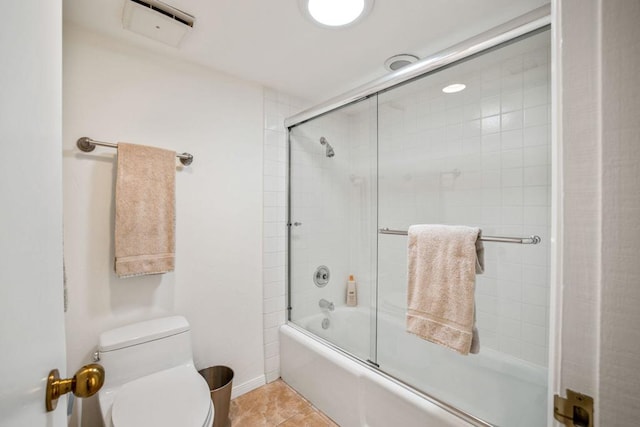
[219, 379]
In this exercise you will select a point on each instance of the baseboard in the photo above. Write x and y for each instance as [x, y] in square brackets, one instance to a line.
[272, 376]
[246, 387]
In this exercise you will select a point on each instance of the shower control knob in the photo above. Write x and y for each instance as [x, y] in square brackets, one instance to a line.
[321, 276]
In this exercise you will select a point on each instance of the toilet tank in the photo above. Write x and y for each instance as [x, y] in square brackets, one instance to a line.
[143, 348]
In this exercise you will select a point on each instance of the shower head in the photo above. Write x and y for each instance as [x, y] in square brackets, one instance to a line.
[330, 152]
[329, 148]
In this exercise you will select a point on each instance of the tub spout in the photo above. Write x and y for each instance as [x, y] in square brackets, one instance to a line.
[326, 304]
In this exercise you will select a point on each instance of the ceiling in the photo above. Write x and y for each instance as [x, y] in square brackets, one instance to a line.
[270, 42]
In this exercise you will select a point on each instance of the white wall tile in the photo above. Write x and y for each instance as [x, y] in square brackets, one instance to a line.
[490, 143]
[536, 116]
[509, 345]
[511, 101]
[511, 120]
[536, 135]
[511, 155]
[512, 196]
[510, 328]
[510, 309]
[534, 334]
[536, 195]
[277, 106]
[512, 140]
[271, 335]
[491, 124]
[490, 105]
[535, 295]
[512, 177]
[536, 96]
[536, 175]
[535, 314]
[275, 289]
[537, 156]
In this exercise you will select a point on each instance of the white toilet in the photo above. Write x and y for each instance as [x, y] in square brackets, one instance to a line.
[150, 378]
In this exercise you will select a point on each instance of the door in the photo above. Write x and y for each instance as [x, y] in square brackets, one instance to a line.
[332, 238]
[31, 284]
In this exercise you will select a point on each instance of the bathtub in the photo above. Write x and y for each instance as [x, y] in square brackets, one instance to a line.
[491, 386]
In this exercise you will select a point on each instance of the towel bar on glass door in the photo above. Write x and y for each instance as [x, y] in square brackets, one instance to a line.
[531, 240]
[87, 145]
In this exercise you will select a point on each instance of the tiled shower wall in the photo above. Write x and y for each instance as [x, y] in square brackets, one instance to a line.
[277, 107]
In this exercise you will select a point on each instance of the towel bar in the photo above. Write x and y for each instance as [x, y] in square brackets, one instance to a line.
[531, 240]
[87, 145]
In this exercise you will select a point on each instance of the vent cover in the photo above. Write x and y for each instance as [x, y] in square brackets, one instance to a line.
[398, 61]
[157, 21]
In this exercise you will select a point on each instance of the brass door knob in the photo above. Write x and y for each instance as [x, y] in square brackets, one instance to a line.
[86, 382]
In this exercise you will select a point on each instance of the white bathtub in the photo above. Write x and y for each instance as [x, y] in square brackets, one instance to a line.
[501, 390]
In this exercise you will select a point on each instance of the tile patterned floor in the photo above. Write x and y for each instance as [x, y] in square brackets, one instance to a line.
[276, 404]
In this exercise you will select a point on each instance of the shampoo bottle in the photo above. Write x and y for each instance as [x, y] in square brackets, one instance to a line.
[352, 293]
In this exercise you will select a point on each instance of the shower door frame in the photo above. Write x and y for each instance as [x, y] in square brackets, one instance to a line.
[537, 20]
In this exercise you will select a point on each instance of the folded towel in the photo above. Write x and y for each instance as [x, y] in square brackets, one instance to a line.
[443, 261]
[145, 210]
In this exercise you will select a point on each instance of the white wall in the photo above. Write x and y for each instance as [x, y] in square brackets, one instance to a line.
[620, 294]
[581, 204]
[114, 92]
[600, 136]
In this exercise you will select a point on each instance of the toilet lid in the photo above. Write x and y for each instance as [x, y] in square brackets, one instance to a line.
[174, 397]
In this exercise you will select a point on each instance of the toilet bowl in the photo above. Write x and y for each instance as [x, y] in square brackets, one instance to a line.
[150, 377]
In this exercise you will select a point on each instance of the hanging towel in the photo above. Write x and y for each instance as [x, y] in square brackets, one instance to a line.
[145, 210]
[443, 261]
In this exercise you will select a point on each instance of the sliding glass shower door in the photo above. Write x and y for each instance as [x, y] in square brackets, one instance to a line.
[333, 191]
[478, 157]
[467, 144]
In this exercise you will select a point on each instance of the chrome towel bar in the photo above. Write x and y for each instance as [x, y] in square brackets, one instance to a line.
[87, 145]
[531, 240]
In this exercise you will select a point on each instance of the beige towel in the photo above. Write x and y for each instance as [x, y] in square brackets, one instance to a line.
[145, 210]
[443, 261]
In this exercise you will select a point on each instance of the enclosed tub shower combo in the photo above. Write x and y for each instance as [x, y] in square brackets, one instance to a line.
[412, 148]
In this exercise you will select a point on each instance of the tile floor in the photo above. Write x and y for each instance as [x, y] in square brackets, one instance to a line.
[276, 404]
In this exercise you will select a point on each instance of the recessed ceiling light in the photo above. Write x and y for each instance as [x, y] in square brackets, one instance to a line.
[453, 88]
[399, 61]
[335, 13]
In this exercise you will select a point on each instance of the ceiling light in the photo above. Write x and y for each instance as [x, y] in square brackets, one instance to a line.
[399, 61]
[453, 88]
[335, 13]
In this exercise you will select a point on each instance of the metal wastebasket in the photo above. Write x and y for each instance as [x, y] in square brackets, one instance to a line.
[219, 379]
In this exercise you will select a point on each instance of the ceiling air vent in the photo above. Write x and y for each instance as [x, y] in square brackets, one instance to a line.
[157, 20]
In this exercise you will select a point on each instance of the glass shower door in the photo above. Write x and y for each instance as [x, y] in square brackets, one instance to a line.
[478, 157]
[332, 231]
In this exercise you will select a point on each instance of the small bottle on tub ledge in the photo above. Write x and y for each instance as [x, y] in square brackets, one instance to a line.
[352, 293]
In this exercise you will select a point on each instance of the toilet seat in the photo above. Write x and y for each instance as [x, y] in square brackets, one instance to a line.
[173, 397]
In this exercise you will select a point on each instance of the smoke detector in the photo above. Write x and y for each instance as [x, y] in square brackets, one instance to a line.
[157, 21]
[399, 61]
